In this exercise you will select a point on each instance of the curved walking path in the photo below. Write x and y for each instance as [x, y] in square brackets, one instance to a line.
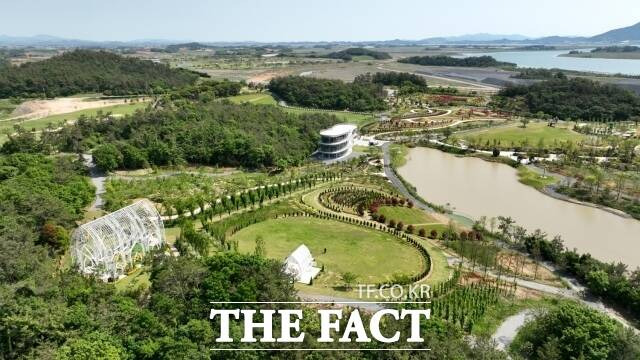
[508, 330]
[98, 178]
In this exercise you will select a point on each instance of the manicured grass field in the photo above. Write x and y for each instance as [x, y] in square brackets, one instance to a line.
[372, 255]
[264, 98]
[406, 215]
[533, 134]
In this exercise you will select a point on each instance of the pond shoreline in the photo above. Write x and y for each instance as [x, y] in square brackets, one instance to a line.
[481, 188]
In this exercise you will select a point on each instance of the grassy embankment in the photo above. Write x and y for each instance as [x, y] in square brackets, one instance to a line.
[265, 98]
[61, 119]
[533, 179]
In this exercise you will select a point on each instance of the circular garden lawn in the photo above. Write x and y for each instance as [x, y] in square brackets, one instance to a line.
[372, 255]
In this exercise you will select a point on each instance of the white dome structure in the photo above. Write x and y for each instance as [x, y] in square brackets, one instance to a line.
[300, 265]
[106, 247]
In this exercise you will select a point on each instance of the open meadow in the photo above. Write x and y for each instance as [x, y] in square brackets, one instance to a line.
[373, 256]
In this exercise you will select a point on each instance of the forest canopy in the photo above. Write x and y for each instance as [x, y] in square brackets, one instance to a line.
[90, 71]
[348, 54]
[328, 94]
[571, 99]
[208, 133]
[442, 60]
[391, 78]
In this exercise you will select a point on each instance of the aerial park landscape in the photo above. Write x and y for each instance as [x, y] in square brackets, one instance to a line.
[148, 187]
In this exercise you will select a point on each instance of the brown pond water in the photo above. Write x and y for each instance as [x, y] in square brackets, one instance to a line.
[474, 187]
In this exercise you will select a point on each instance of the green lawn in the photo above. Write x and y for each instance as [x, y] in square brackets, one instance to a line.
[516, 135]
[532, 178]
[6, 107]
[56, 120]
[406, 215]
[372, 255]
[265, 98]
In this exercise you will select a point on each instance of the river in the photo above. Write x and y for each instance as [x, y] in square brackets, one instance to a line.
[550, 59]
[474, 188]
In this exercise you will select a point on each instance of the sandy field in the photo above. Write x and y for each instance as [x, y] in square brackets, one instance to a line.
[36, 109]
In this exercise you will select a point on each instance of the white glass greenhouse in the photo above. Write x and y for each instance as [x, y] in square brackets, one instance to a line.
[108, 246]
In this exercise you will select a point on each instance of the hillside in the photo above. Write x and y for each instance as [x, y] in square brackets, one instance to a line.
[441, 60]
[328, 94]
[629, 33]
[349, 54]
[83, 71]
[199, 132]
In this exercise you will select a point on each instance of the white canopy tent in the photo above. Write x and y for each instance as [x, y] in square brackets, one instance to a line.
[300, 265]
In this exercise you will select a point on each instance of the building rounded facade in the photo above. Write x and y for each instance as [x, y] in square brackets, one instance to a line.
[337, 141]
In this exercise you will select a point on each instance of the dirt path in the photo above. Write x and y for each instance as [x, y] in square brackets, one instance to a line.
[37, 109]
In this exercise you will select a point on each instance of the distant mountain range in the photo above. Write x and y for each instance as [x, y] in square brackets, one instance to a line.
[625, 35]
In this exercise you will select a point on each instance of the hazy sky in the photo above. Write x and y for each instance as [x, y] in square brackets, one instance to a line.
[299, 20]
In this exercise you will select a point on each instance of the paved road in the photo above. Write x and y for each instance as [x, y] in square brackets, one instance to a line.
[509, 328]
[396, 182]
[98, 178]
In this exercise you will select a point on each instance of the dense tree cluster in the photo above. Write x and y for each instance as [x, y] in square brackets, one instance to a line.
[575, 98]
[90, 71]
[211, 133]
[40, 197]
[442, 60]
[617, 49]
[207, 90]
[392, 79]
[610, 281]
[328, 94]
[571, 331]
[348, 54]
[539, 74]
[406, 83]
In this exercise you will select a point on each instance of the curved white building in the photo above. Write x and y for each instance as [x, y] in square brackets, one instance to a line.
[106, 247]
[337, 141]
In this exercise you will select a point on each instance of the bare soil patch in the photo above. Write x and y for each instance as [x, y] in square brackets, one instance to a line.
[36, 109]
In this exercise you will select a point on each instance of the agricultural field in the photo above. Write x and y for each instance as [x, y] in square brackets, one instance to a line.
[372, 255]
[535, 134]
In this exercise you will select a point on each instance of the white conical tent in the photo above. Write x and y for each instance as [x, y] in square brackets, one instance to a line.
[107, 246]
[300, 265]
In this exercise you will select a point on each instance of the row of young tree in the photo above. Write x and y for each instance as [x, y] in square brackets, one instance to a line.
[317, 93]
[84, 71]
[614, 283]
